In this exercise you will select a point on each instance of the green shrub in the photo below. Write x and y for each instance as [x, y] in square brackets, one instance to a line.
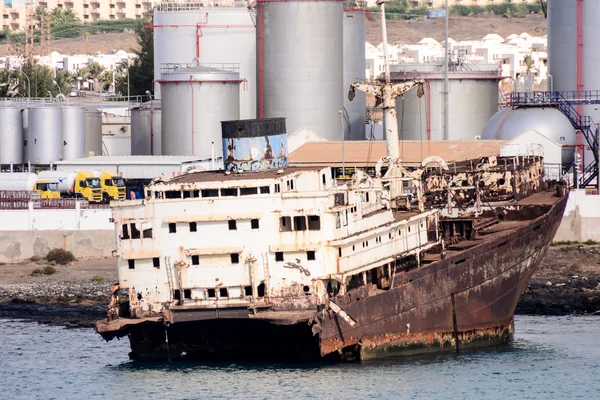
[60, 256]
[97, 278]
[48, 270]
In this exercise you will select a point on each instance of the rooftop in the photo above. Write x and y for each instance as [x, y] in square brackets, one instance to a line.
[221, 176]
[134, 160]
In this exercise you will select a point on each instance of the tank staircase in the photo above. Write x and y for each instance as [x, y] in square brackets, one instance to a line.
[565, 102]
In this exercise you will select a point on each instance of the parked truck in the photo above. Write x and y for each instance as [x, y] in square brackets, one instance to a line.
[47, 188]
[76, 184]
[113, 185]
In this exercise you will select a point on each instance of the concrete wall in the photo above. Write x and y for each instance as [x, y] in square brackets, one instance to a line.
[56, 220]
[581, 220]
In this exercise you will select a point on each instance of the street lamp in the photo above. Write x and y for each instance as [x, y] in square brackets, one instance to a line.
[28, 83]
[56, 83]
[127, 66]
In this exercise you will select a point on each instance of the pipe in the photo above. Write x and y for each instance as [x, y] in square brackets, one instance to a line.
[446, 83]
[192, 87]
[580, 82]
[197, 61]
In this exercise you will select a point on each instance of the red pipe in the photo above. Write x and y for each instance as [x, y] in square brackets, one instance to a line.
[428, 111]
[192, 87]
[580, 69]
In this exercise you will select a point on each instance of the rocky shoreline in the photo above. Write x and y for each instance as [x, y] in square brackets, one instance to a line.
[567, 282]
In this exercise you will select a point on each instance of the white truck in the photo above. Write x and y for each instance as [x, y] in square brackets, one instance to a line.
[25, 181]
[76, 184]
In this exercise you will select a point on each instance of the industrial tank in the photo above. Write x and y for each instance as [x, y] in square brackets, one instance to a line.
[473, 100]
[18, 181]
[213, 34]
[146, 129]
[45, 134]
[73, 132]
[194, 102]
[300, 64]
[25, 122]
[93, 133]
[550, 122]
[354, 69]
[562, 44]
[11, 135]
[254, 145]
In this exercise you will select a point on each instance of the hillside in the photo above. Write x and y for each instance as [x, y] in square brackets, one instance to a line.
[95, 43]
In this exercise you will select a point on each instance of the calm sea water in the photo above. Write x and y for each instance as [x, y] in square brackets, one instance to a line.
[554, 357]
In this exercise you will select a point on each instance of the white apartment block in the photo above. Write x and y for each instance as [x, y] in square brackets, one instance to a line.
[87, 10]
[441, 3]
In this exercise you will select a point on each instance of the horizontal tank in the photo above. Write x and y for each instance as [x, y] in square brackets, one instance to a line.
[45, 135]
[146, 129]
[194, 102]
[214, 35]
[93, 133]
[66, 179]
[11, 135]
[73, 132]
[18, 181]
[550, 122]
[300, 64]
[354, 70]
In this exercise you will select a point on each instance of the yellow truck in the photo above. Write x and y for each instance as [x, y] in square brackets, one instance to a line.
[47, 188]
[113, 185]
[78, 184]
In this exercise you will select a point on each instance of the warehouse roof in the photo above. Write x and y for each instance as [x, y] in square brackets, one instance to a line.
[134, 160]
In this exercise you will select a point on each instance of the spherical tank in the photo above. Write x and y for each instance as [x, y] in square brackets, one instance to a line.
[146, 130]
[354, 69]
[509, 123]
[11, 135]
[45, 134]
[473, 101]
[300, 64]
[73, 132]
[562, 44]
[194, 102]
[214, 35]
[93, 132]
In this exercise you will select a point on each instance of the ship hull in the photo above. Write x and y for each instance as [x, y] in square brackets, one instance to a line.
[461, 302]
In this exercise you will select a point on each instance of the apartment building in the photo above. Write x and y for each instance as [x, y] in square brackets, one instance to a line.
[441, 3]
[87, 10]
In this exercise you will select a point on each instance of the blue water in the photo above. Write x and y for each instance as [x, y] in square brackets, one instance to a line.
[548, 358]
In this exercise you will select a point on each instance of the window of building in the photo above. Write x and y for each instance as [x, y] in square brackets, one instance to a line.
[229, 192]
[254, 223]
[211, 293]
[300, 223]
[187, 293]
[279, 256]
[223, 292]
[172, 194]
[193, 227]
[265, 190]
[248, 191]
[232, 224]
[156, 262]
[147, 233]
[314, 223]
[209, 192]
[277, 188]
[310, 255]
[196, 260]
[125, 234]
[285, 224]
[235, 258]
[172, 227]
[131, 264]
[135, 233]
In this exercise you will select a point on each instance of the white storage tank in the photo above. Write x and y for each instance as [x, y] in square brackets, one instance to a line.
[550, 122]
[354, 70]
[194, 102]
[18, 181]
[214, 34]
[300, 56]
[93, 132]
[11, 135]
[73, 132]
[45, 134]
[146, 129]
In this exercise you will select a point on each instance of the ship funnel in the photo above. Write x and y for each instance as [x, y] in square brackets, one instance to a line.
[254, 144]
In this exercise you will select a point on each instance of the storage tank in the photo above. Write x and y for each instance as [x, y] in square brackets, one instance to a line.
[300, 55]
[213, 34]
[18, 181]
[254, 145]
[562, 44]
[11, 135]
[194, 102]
[73, 132]
[66, 179]
[45, 134]
[550, 122]
[146, 129]
[93, 132]
[24, 144]
[354, 69]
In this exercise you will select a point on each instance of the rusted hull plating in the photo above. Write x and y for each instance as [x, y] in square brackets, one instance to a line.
[456, 303]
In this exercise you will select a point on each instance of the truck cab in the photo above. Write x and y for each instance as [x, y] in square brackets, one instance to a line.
[47, 189]
[113, 185]
[88, 186]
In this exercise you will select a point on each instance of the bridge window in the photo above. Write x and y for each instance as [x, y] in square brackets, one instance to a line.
[228, 192]
[300, 223]
[265, 190]
[314, 223]
[125, 232]
[193, 227]
[277, 188]
[172, 227]
[131, 264]
[135, 233]
[210, 192]
[254, 223]
[235, 258]
[196, 260]
[279, 256]
[310, 255]
[232, 224]
[156, 262]
[285, 224]
[248, 191]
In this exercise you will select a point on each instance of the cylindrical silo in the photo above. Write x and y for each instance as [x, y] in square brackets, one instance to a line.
[25, 143]
[213, 34]
[562, 44]
[254, 144]
[146, 130]
[73, 132]
[194, 102]
[45, 134]
[11, 135]
[93, 133]
[354, 70]
[473, 99]
[300, 55]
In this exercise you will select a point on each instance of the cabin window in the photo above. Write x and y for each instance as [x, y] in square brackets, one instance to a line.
[196, 260]
[367, 197]
[193, 227]
[292, 184]
[279, 256]
[260, 289]
[176, 294]
[248, 290]
[131, 264]
[156, 262]
[254, 223]
[187, 194]
[285, 224]
[172, 194]
[310, 255]
[211, 293]
[209, 192]
[135, 233]
[125, 232]
[223, 292]
[232, 224]
[314, 223]
[300, 223]
[195, 193]
[248, 191]
[277, 188]
[108, 182]
[187, 293]
[172, 227]
[147, 233]
[235, 258]
[339, 199]
[265, 190]
[229, 192]
[339, 251]
[324, 178]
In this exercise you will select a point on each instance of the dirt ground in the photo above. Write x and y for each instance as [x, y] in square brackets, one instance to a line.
[80, 270]
[95, 43]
